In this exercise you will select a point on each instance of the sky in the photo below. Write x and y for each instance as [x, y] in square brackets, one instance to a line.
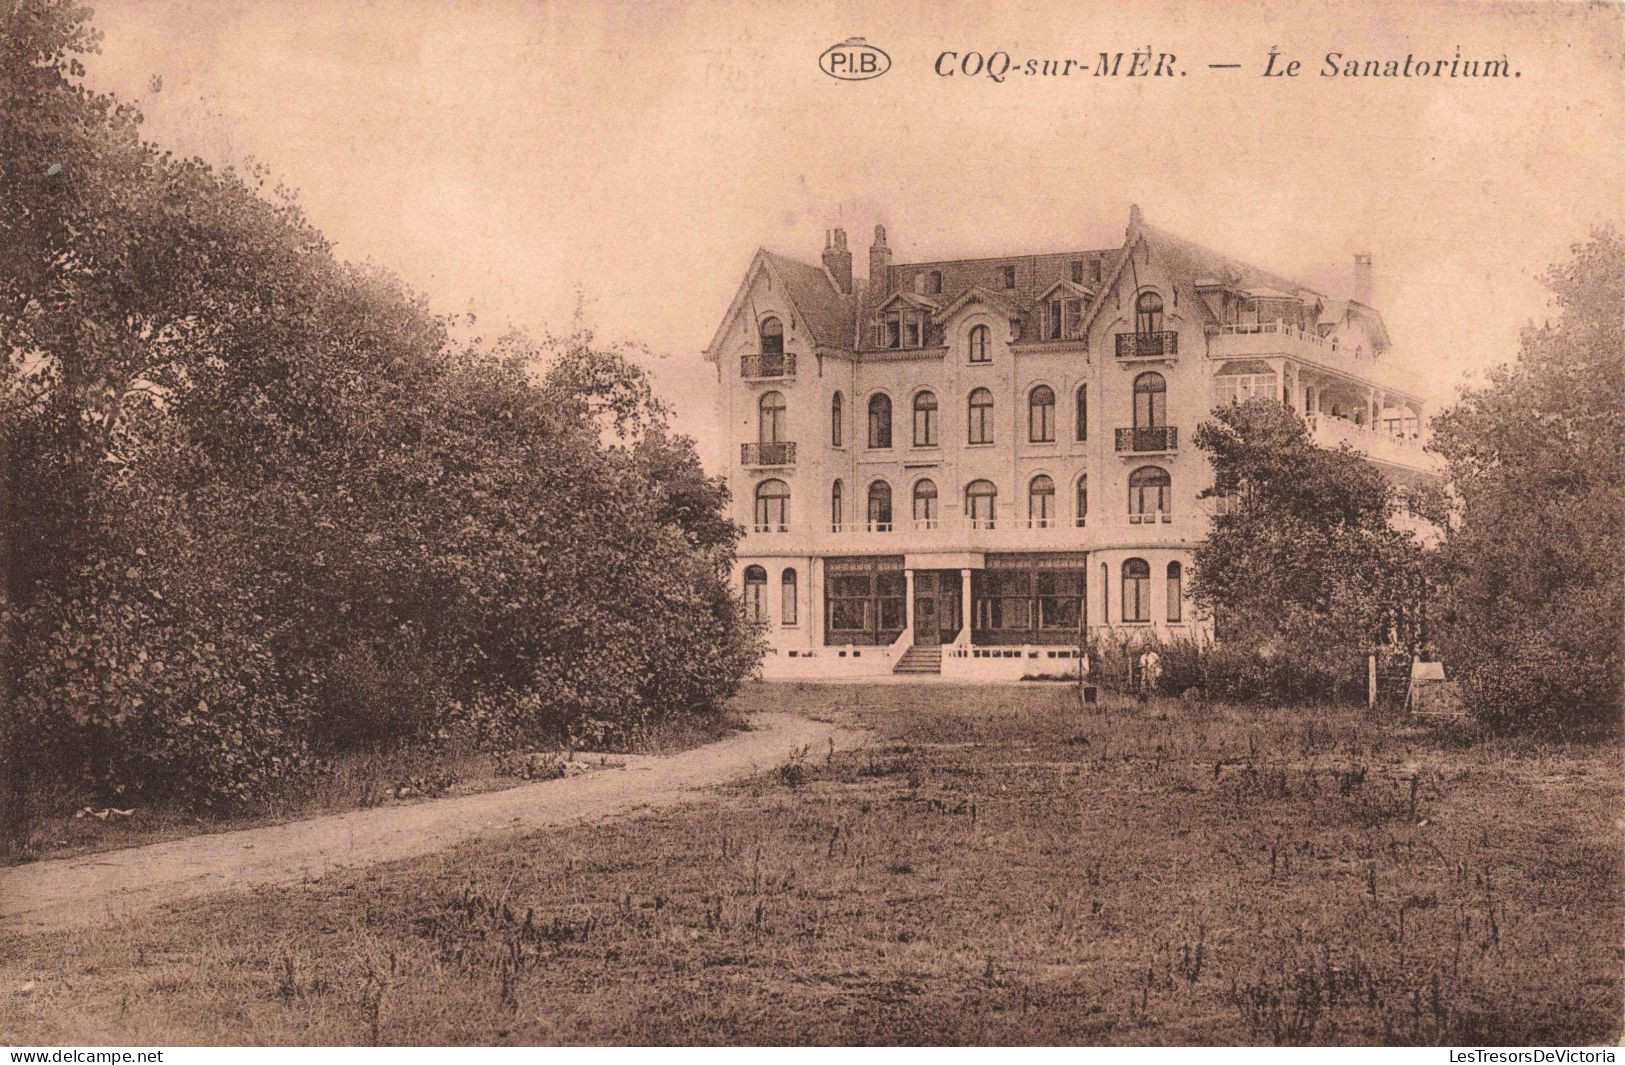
[509, 157]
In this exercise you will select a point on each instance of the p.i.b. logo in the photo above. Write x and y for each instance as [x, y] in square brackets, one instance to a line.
[854, 59]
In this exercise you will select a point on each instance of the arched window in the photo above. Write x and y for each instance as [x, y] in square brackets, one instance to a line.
[773, 506]
[1083, 501]
[787, 598]
[755, 593]
[880, 420]
[1148, 495]
[1150, 401]
[880, 507]
[837, 507]
[772, 334]
[1148, 313]
[925, 504]
[980, 421]
[1041, 502]
[770, 418]
[979, 348]
[1136, 590]
[1176, 595]
[837, 414]
[1083, 412]
[925, 419]
[1041, 415]
[981, 500]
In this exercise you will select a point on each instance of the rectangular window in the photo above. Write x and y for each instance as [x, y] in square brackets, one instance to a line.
[1083, 412]
[981, 425]
[894, 331]
[1136, 599]
[1060, 598]
[1024, 601]
[863, 600]
[1073, 319]
[1053, 330]
[925, 426]
[1240, 387]
[1077, 271]
[912, 333]
[1009, 276]
[787, 601]
[1176, 597]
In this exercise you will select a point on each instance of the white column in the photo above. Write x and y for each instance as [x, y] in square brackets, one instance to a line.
[964, 605]
[908, 603]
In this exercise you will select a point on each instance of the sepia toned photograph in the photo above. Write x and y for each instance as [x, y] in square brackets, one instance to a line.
[666, 523]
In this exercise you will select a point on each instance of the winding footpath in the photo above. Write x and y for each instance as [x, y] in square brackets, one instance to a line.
[104, 888]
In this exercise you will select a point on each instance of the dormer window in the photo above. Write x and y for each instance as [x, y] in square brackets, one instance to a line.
[1063, 318]
[901, 328]
[772, 336]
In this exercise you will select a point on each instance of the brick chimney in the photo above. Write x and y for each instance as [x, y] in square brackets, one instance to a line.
[879, 258]
[837, 260]
[1135, 218]
[1362, 277]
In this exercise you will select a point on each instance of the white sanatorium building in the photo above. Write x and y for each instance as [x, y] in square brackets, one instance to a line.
[950, 467]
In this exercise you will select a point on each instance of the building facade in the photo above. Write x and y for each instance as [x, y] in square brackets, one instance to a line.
[965, 466]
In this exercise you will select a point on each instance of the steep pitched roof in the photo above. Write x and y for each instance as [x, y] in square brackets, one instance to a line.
[1034, 275]
[825, 308]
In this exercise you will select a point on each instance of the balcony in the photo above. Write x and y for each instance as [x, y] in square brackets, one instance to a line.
[767, 367]
[1163, 345]
[1153, 440]
[1240, 340]
[779, 454]
[1375, 444]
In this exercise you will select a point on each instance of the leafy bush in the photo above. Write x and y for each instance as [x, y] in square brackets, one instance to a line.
[1530, 616]
[260, 506]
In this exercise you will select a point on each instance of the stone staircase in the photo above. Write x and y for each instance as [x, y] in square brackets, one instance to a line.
[920, 659]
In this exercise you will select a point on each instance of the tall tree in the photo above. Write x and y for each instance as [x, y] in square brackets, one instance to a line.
[1532, 569]
[1301, 565]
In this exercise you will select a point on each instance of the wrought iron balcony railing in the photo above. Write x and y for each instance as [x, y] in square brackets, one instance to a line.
[781, 364]
[1163, 345]
[1157, 438]
[780, 454]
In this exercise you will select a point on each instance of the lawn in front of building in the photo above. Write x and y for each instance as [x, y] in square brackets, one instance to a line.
[995, 865]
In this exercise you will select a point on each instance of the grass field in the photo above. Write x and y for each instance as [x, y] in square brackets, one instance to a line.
[995, 866]
[57, 826]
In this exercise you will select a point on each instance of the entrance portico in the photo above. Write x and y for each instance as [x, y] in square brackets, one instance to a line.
[939, 595]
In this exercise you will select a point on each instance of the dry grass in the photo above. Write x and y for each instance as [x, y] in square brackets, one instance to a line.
[995, 867]
[355, 780]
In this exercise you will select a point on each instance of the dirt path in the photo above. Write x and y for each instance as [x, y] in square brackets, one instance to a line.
[102, 888]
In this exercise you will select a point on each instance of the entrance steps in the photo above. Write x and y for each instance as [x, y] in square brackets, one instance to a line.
[920, 659]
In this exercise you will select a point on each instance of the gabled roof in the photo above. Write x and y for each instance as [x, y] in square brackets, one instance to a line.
[823, 308]
[977, 294]
[1065, 285]
[913, 299]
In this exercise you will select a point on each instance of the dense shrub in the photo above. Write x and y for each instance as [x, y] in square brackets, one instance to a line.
[1531, 576]
[1221, 671]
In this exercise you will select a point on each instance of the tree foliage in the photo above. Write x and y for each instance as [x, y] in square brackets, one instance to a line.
[259, 504]
[1301, 568]
[1532, 571]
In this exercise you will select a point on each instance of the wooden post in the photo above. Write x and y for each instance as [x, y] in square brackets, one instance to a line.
[1371, 682]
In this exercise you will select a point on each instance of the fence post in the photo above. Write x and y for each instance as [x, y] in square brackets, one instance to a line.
[1371, 682]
